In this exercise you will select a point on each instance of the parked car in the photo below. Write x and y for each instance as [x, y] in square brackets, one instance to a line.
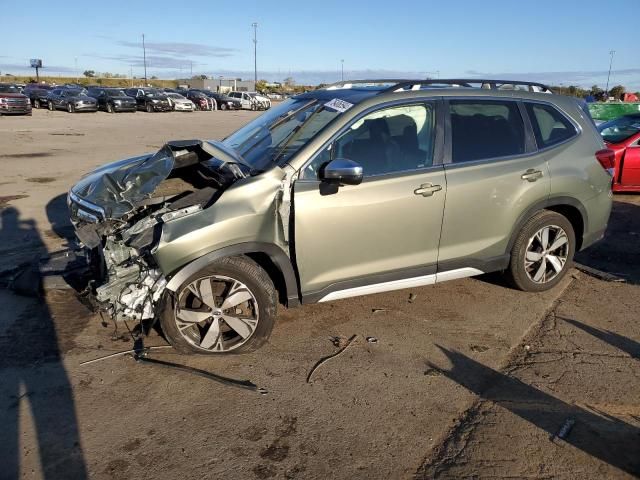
[622, 135]
[37, 93]
[222, 102]
[368, 167]
[12, 101]
[113, 100]
[180, 103]
[247, 101]
[150, 99]
[72, 100]
[199, 99]
[263, 101]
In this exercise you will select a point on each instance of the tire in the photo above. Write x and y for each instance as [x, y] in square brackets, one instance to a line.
[149, 108]
[253, 106]
[223, 106]
[191, 337]
[109, 108]
[214, 105]
[36, 103]
[51, 106]
[70, 108]
[530, 258]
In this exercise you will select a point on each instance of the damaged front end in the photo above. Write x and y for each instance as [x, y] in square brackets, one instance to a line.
[118, 212]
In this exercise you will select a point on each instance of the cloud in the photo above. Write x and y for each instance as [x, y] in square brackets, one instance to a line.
[179, 48]
[24, 68]
[153, 61]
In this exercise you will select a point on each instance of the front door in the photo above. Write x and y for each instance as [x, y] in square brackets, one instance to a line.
[382, 234]
[631, 165]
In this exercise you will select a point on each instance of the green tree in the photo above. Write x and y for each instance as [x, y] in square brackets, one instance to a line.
[261, 85]
[595, 90]
[617, 92]
[89, 73]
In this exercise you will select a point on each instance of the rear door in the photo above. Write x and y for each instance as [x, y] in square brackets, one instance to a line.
[493, 176]
[366, 238]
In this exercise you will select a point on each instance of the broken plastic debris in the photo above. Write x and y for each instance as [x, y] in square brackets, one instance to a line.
[412, 297]
[565, 429]
[372, 340]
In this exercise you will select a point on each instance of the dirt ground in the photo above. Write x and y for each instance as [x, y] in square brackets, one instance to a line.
[466, 379]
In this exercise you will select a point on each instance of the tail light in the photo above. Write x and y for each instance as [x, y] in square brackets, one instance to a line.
[607, 158]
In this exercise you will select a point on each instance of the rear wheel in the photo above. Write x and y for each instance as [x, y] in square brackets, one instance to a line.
[149, 108]
[70, 108]
[51, 106]
[223, 106]
[36, 103]
[228, 307]
[542, 253]
[109, 108]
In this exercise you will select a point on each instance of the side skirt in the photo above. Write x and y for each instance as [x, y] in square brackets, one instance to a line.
[401, 284]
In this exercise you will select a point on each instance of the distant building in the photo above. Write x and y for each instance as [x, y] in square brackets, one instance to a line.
[220, 84]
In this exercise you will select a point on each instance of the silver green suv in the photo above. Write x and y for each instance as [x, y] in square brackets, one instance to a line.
[357, 188]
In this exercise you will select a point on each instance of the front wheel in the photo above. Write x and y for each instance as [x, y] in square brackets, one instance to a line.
[51, 106]
[227, 307]
[36, 103]
[149, 108]
[109, 108]
[542, 253]
[70, 108]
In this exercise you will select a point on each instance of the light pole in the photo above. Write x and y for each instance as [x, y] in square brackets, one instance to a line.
[606, 90]
[220, 87]
[342, 70]
[144, 56]
[76, 64]
[255, 52]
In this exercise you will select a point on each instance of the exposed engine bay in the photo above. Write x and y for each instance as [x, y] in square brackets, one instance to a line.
[118, 212]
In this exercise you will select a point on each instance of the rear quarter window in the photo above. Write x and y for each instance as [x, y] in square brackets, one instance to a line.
[550, 127]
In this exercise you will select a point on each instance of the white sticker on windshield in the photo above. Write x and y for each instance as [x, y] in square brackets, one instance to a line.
[339, 105]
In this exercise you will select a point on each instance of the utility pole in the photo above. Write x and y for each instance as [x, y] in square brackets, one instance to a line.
[255, 52]
[606, 90]
[191, 63]
[76, 63]
[131, 74]
[144, 56]
[342, 70]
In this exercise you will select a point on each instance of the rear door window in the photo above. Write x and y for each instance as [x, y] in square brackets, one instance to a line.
[549, 125]
[485, 129]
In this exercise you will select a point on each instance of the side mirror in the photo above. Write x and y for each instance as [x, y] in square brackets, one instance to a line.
[342, 171]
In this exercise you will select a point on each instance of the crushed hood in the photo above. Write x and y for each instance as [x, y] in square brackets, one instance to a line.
[118, 188]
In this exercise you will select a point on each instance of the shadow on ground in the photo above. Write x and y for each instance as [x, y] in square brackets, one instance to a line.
[619, 252]
[31, 372]
[600, 435]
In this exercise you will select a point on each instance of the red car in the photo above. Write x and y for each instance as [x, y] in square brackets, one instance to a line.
[12, 101]
[622, 135]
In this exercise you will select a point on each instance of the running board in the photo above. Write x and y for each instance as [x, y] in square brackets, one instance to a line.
[402, 284]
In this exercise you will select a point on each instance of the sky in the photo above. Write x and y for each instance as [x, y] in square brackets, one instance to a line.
[557, 42]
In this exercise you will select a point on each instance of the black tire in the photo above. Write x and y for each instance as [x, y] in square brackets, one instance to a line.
[149, 108]
[517, 272]
[109, 108]
[214, 105]
[242, 269]
[51, 106]
[70, 108]
[223, 106]
[36, 103]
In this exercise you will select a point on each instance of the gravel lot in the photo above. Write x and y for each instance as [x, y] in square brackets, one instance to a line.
[466, 379]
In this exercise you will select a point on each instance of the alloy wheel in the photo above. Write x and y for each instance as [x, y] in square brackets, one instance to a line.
[216, 313]
[546, 254]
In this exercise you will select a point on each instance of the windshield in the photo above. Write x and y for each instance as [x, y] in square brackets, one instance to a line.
[116, 93]
[9, 89]
[175, 95]
[275, 136]
[153, 93]
[618, 130]
[73, 92]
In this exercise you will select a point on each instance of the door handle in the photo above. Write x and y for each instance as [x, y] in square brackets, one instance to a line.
[531, 175]
[427, 189]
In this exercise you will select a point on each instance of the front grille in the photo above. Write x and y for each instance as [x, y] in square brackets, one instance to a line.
[17, 102]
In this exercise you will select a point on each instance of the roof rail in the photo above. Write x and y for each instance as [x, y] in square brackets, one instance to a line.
[350, 83]
[489, 84]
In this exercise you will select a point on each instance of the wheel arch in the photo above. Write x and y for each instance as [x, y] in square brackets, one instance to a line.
[270, 257]
[569, 207]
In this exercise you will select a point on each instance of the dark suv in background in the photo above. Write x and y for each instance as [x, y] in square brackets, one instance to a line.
[37, 94]
[150, 99]
[113, 100]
